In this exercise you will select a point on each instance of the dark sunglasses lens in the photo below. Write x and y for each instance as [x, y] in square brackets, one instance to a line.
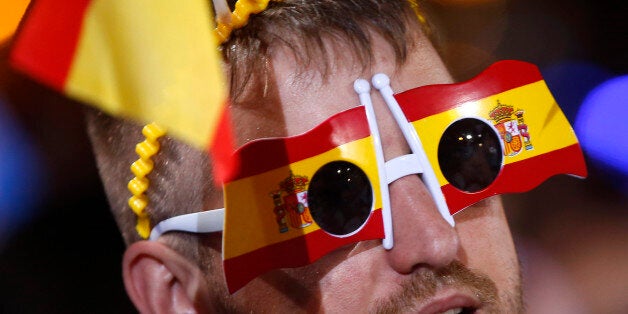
[340, 197]
[470, 155]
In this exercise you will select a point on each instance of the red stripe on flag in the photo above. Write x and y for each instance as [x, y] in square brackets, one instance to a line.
[222, 148]
[522, 176]
[295, 252]
[46, 43]
[425, 101]
[267, 154]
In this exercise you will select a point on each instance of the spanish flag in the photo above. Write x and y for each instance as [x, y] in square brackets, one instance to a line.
[537, 140]
[268, 221]
[147, 60]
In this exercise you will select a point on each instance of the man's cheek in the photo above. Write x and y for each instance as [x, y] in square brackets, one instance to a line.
[487, 243]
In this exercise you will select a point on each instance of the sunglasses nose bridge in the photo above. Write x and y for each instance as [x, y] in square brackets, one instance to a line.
[382, 83]
[402, 166]
[399, 166]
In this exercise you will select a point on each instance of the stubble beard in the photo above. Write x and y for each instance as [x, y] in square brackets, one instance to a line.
[425, 283]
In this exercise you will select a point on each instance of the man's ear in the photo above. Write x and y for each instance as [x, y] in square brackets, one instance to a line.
[160, 280]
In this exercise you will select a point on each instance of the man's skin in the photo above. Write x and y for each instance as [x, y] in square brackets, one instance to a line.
[432, 267]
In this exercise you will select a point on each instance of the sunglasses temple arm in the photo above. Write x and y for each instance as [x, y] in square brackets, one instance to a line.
[201, 222]
[363, 89]
[382, 83]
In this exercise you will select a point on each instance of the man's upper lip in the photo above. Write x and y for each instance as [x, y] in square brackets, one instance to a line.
[448, 299]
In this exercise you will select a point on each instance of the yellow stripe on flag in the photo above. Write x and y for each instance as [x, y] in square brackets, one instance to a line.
[151, 60]
[549, 129]
[250, 220]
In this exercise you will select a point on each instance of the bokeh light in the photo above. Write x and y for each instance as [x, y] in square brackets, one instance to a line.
[571, 81]
[21, 175]
[11, 12]
[602, 124]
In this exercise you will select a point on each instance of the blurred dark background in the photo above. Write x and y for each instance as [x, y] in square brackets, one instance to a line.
[571, 234]
[60, 251]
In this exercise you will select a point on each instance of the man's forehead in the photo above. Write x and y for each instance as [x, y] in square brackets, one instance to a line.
[294, 98]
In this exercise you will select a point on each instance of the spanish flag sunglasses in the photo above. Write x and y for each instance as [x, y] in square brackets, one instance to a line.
[298, 198]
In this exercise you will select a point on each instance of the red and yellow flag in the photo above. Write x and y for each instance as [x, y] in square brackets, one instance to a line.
[268, 224]
[147, 60]
[538, 141]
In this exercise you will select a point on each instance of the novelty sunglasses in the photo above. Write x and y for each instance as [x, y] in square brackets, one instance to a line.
[295, 199]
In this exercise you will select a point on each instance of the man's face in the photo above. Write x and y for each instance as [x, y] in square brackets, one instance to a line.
[432, 267]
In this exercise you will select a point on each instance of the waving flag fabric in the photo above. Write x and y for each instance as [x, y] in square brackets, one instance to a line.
[268, 224]
[538, 141]
[148, 60]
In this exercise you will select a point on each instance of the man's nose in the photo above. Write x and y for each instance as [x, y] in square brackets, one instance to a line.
[422, 238]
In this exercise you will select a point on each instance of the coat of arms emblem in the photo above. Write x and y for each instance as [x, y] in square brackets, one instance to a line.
[511, 127]
[290, 201]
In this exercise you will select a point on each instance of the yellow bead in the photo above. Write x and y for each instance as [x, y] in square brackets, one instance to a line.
[138, 185]
[143, 227]
[138, 203]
